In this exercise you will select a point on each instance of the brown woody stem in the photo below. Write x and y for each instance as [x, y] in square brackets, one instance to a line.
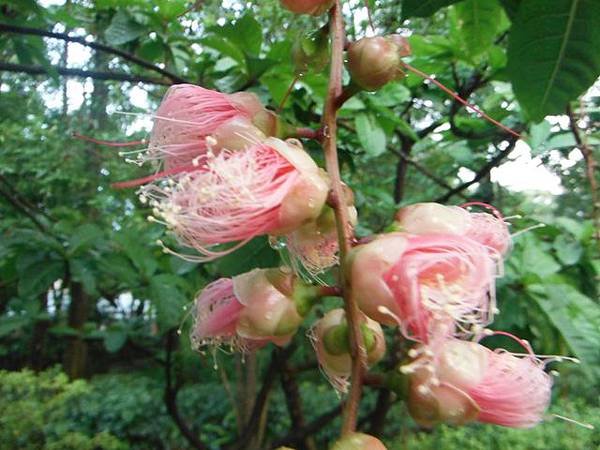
[345, 237]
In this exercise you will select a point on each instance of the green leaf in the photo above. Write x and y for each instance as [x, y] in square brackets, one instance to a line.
[553, 53]
[511, 7]
[168, 300]
[36, 277]
[370, 134]
[225, 47]
[13, 323]
[115, 338]
[576, 317]
[478, 21]
[423, 8]
[538, 134]
[568, 250]
[122, 29]
[255, 254]
[537, 261]
[85, 237]
[245, 33]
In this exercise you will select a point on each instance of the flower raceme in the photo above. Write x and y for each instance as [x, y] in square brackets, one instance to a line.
[247, 311]
[270, 188]
[312, 7]
[424, 283]
[330, 336]
[459, 381]
[434, 218]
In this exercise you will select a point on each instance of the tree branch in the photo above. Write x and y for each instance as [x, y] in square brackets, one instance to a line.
[486, 169]
[112, 76]
[95, 45]
[590, 169]
[334, 93]
[171, 395]
[298, 435]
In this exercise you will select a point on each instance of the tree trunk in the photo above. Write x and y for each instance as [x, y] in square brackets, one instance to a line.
[75, 358]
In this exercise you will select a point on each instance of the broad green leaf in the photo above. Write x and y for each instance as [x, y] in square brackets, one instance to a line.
[576, 317]
[84, 237]
[255, 254]
[538, 134]
[168, 300]
[538, 261]
[478, 21]
[82, 271]
[38, 276]
[115, 338]
[246, 33]
[553, 53]
[568, 250]
[225, 47]
[122, 29]
[370, 134]
[8, 324]
[423, 8]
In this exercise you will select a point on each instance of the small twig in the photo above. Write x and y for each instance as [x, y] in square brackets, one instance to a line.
[590, 169]
[481, 173]
[95, 45]
[108, 76]
[170, 395]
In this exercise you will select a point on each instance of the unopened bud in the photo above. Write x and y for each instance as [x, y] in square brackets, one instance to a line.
[312, 7]
[375, 61]
[358, 441]
[237, 134]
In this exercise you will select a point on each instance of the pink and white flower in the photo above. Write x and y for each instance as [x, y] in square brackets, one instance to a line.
[424, 283]
[486, 228]
[246, 311]
[270, 188]
[458, 381]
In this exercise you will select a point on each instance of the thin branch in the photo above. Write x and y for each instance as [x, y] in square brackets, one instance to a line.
[481, 173]
[109, 76]
[402, 169]
[170, 396]
[95, 45]
[590, 169]
[262, 397]
[298, 435]
[334, 93]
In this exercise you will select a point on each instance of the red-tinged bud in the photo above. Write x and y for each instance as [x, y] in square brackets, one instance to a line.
[312, 7]
[311, 51]
[375, 61]
[330, 337]
[358, 441]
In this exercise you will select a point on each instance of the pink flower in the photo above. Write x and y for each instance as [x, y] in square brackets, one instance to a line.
[192, 122]
[314, 7]
[189, 114]
[270, 188]
[458, 381]
[434, 218]
[424, 283]
[246, 311]
[330, 337]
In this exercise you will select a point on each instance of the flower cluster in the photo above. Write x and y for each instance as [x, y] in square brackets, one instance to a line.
[434, 278]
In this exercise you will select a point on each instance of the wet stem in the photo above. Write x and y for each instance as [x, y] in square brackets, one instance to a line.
[345, 235]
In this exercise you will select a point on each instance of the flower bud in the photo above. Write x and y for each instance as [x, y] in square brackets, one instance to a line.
[375, 61]
[312, 7]
[433, 218]
[268, 313]
[331, 340]
[358, 441]
[311, 51]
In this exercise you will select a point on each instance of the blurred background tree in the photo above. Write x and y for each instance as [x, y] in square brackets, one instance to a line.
[85, 290]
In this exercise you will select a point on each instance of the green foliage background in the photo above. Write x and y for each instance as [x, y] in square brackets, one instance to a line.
[80, 271]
